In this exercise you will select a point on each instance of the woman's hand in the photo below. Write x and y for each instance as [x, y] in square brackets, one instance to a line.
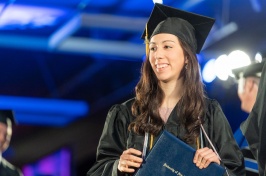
[130, 159]
[204, 157]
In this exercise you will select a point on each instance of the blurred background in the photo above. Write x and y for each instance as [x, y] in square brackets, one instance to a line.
[64, 63]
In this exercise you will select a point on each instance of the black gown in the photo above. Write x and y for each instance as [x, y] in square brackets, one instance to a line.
[7, 169]
[254, 127]
[116, 138]
[251, 164]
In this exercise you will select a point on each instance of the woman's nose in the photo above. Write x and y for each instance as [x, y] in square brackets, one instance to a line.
[158, 54]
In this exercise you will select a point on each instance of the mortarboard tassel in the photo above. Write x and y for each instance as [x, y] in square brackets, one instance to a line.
[147, 41]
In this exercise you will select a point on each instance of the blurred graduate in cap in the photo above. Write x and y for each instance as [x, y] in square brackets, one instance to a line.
[254, 126]
[6, 121]
[169, 96]
[248, 79]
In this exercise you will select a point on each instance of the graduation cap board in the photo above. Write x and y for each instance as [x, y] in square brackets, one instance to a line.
[253, 70]
[6, 114]
[190, 27]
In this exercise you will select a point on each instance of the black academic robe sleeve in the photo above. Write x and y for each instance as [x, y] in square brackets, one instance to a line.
[250, 130]
[221, 135]
[112, 142]
[261, 104]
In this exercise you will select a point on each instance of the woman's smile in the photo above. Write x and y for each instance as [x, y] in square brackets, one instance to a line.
[161, 67]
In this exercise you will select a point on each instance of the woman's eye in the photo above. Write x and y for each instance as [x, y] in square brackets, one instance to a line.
[166, 46]
[152, 48]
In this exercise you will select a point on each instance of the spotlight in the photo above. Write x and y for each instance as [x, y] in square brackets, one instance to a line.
[237, 59]
[221, 66]
[208, 72]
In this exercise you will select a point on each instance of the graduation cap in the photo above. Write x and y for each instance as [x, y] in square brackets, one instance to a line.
[7, 114]
[190, 27]
[253, 70]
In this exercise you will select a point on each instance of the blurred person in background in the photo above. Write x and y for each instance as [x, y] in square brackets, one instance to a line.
[254, 128]
[6, 121]
[248, 79]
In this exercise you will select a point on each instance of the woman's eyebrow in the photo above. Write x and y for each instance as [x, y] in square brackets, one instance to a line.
[168, 41]
[162, 42]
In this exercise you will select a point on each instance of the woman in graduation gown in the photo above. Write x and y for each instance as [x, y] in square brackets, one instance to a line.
[169, 96]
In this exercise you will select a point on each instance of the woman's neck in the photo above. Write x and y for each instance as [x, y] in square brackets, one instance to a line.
[172, 92]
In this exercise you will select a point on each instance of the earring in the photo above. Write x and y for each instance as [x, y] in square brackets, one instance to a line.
[186, 66]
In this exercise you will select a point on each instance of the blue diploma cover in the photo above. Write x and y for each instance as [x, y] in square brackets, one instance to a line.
[172, 157]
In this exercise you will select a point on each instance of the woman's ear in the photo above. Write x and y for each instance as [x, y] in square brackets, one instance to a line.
[186, 60]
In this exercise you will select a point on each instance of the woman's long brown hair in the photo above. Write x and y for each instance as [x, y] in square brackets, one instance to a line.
[149, 97]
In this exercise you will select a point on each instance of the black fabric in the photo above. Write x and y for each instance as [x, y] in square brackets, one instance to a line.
[261, 108]
[116, 138]
[7, 169]
[190, 27]
[254, 127]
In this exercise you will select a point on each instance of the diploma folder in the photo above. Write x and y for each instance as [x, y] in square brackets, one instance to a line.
[172, 157]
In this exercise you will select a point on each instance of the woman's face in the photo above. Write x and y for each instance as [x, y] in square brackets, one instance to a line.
[166, 57]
